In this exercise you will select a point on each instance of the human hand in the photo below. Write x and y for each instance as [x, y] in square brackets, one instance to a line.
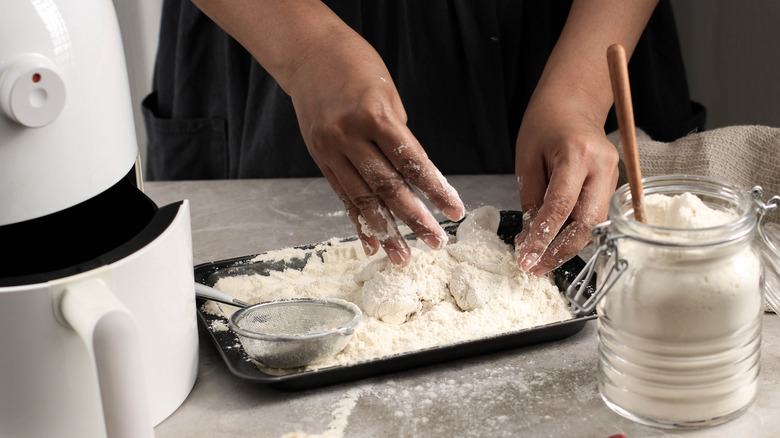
[350, 115]
[566, 171]
[354, 125]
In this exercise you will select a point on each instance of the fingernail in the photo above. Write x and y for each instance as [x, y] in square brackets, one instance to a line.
[368, 248]
[396, 257]
[434, 240]
[528, 261]
[454, 213]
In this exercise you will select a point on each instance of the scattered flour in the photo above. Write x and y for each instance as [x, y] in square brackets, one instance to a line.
[338, 213]
[469, 290]
[219, 326]
[341, 412]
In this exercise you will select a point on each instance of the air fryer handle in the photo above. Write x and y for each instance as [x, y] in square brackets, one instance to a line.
[110, 333]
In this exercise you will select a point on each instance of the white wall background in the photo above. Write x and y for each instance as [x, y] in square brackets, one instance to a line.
[732, 55]
[731, 50]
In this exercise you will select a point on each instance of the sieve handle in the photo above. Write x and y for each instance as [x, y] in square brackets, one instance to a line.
[210, 293]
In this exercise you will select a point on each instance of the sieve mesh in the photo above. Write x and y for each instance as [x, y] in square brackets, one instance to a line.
[295, 332]
[295, 318]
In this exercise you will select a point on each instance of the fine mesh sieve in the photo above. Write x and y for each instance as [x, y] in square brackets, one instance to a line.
[293, 332]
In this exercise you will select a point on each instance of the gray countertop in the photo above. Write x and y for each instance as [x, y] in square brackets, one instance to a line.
[546, 390]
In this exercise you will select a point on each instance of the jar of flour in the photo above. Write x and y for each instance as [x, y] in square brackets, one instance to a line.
[680, 327]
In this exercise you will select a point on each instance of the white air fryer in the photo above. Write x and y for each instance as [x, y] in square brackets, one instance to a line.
[98, 332]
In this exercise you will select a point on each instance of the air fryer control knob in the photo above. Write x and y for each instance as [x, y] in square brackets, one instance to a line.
[32, 93]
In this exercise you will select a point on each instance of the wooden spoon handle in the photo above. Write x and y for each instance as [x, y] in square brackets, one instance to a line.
[621, 89]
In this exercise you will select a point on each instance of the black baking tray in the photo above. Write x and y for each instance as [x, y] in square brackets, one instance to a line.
[239, 364]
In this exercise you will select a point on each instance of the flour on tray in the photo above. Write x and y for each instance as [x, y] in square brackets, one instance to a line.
[469, 290]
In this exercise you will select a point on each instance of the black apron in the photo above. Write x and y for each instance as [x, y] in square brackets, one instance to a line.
[465, 71]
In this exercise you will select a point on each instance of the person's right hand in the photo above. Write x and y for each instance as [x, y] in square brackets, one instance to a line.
[354, 125]
[567, 171]
[350, 115]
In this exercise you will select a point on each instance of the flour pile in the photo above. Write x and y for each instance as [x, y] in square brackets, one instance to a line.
[469, 290]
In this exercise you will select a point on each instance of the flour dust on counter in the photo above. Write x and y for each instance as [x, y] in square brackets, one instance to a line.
[469, 290]
[508, 394]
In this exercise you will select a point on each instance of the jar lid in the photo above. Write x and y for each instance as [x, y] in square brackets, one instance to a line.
[770, 254]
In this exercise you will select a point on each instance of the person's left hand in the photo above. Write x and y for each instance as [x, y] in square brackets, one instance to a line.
[566, 172]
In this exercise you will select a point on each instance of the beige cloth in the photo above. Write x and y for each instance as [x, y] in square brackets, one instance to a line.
[743, 155]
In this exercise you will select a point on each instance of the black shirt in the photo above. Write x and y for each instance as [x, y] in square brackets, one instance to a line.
[465, 71]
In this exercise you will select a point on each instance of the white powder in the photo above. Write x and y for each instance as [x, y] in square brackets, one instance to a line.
[684, 211]
[679, 331]
[219, 326]
[469, 290]
[338, 213]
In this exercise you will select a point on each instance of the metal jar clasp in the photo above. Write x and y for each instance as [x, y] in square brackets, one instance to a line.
[770, 206]
[769, 246]
[606, 248]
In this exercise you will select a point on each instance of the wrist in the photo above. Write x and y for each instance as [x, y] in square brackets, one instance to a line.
[570, 100]
[331, 58]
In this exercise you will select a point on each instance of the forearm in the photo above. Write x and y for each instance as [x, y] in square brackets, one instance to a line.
[281, 35]
[577, 67]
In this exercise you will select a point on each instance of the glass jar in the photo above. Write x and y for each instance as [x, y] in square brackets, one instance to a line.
[680, 329]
